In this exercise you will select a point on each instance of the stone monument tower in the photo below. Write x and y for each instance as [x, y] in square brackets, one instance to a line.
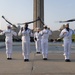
[38, 11]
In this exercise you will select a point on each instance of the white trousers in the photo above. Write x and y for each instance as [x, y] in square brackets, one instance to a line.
[26, 49]
[8, 49]
[67, 49]
[38, 45]
[44, 46]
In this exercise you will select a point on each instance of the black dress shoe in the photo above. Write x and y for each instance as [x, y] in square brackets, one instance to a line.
[67, 60]
[26, 60]
[38, 52]
[45, 59]
[9, 58]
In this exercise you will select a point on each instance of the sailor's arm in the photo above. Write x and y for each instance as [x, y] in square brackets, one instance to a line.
[20, 32]
[62, 34]
[2, 32]
[50, 32]
[14, 33]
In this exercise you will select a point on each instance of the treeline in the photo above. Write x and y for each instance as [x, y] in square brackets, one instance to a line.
[18, 39]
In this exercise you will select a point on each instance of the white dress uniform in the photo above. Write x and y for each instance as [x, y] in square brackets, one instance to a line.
[37, 38]
[25, 42]
[44, 41]
[8, 41]
[67, 38]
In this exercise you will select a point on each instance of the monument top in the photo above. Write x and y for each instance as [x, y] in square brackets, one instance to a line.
[38, 11]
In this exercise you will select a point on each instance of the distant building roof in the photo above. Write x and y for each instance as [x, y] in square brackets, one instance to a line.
[55, 34]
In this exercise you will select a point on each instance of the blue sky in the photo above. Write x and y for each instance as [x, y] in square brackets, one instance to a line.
[22, 10]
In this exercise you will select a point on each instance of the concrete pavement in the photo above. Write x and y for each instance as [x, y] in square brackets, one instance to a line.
[55, 65]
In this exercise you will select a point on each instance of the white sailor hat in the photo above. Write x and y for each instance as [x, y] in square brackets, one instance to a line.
[45, 26]
[37, 28]
[8, 25]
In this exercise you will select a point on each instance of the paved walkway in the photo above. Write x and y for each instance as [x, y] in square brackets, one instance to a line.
[55, 65]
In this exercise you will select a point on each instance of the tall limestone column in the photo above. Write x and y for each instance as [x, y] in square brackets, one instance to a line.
[38, 11]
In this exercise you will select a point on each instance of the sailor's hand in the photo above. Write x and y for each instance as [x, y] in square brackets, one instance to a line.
[35, 39]
[21, 29]
[32, 31]
[1, 31]
[39, 18]
[14, 26]
[64, 33]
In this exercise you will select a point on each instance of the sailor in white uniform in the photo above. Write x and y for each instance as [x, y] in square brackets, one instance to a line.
[45, 33]
[37, 39]
[8, 41]
[66, 34]
[26, 33]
